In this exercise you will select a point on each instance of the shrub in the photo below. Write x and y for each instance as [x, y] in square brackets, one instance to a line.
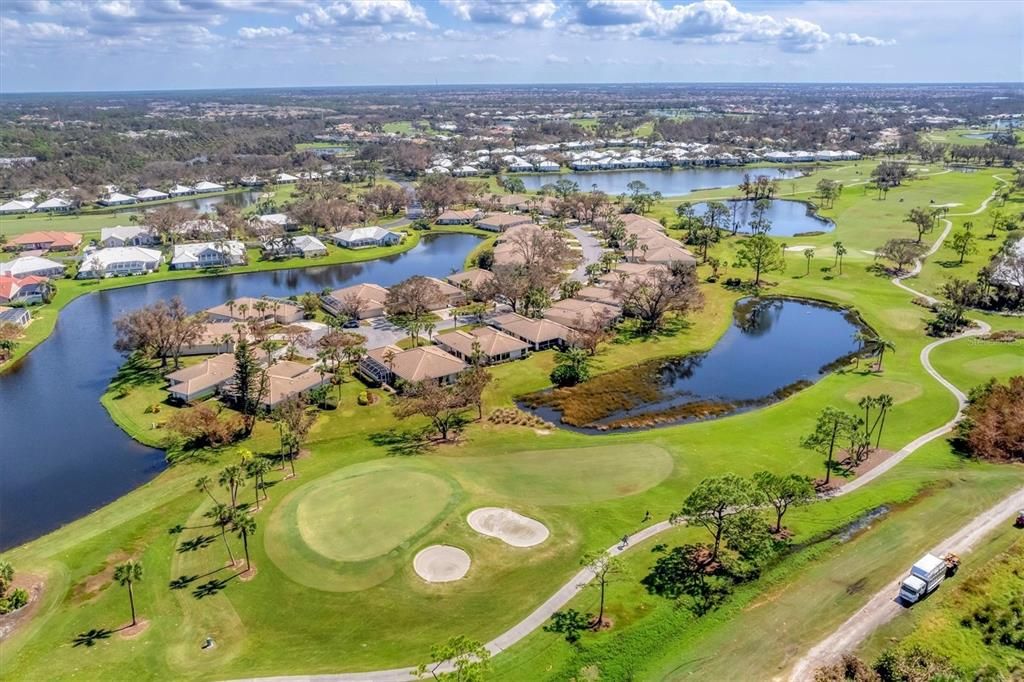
[152, 409]
[202, 426]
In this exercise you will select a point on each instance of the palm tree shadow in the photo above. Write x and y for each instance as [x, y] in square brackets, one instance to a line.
[210, 588]
[182, 581]
[90, 637]
[404, 443]
[195, 544]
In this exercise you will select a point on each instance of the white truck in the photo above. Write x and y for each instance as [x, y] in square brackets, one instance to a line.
[926, 576]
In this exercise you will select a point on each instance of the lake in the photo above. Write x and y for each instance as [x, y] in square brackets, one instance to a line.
[773, 348]
[670, 181]
[202, 204]
[788, 217]
[62, 456]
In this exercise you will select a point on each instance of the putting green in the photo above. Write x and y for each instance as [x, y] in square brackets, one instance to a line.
[581, 475]
[365, 516]
[998, 365]
[349, 530]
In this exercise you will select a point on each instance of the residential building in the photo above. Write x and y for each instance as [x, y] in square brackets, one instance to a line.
[303, 245]
[119, 261]
[285, 178]
[262, 309]
[368, 299]
[451, 217]
[451, 296]
[598, 295]
[150, 195]
[202, 228]
[390, 365]
[538, 334]
[18, 316]
[181, 190]
[499, 222]
[27, 289]
[44, 241]
[17, 206]
[207, 255]
[207, 186]
[280, 221]
[201, 380]
[128, 235]
[216, 337]
[32, 265]
[360, 237]
[576, 314]
[117, 199]
[55, 205]
[474, 279]
[494, 346]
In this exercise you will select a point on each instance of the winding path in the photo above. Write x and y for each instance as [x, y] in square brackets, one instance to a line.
[965, 538]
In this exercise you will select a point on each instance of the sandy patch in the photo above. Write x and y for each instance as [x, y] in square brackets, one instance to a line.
[951, 205]
[133, 631]
[508, 526]
[441, 564]
[800, 247]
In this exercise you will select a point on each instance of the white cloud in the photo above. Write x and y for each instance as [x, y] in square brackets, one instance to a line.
[856, 39]
[437, 59]
[262, 32]
[348, 13]
[556, 59]
[491, 58]
[526, 13]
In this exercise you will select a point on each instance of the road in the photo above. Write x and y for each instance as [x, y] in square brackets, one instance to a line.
[592, 252]
[560, 598]
[884, 606]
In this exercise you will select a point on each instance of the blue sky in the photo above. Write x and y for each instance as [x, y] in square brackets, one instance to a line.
[54, 45]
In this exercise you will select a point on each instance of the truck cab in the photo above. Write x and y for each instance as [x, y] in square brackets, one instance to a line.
[925, 577]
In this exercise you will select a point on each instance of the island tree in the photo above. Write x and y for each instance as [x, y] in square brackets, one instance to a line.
[760, 253]
[714, 503]
[126, 575]
[902, 252]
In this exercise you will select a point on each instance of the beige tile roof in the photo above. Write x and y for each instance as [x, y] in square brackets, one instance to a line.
[535, 331]
[474, 278]
[467, 215]
[281, 387]
[599, 294]
[367, 293]
[275, 308]
[572, 312]
[492, 342]
[418, 364]
[501, 221]
[203, 376]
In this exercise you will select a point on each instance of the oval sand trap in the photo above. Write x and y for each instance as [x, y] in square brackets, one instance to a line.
[508, 526]
[441, 564]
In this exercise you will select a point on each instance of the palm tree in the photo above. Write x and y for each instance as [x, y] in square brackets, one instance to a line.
[884, 402]
[809, 255]
[840, 252]
[232, 478]
[863, 339]
[882, 345]
[257, 469]
[221, 514]
[203, 486]
[245, 526]
[127, 574]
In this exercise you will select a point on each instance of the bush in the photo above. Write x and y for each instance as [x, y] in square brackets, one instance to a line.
[202, 425]
[485, 259]
[13, 601]
[152, 409]
[367, 398]
[733, 282]
[569, 375]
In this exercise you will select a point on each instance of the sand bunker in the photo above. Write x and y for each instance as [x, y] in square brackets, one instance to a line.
[441, 564]
[799, 247]
[508, 526]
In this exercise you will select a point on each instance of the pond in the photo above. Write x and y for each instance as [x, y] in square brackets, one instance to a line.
[789, 218]
[203, 204]
[61, 455]
[670, 181]
[774, 347]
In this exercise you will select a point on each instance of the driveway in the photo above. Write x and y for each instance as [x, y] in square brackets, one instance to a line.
[592, 252]
[379, 332]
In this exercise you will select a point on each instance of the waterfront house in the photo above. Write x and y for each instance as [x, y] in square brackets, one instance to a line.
[17, 206]
[206, 186]
[55, 205]
[215, 337]
[117, 199]
[361, 237]
[18, 316]
[261, 309]
[25, 290]
[368, 299]
[180, 191]
[303, 245]
[151, 195]
[207, 255]
[499, 222]
[32, 265]
[119, 261]
[451, 217]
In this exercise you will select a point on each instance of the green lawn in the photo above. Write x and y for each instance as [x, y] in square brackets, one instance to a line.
[323, 600]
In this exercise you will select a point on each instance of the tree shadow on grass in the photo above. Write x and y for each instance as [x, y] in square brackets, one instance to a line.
[403, 443]
[90, 637]
[195, 544]
[210, 588]
[182, 581]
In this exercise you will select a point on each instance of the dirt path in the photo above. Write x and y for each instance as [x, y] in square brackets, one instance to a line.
[884, 606]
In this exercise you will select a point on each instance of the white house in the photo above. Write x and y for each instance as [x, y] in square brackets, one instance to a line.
[127, 235]
[465, 171]
[277, 220]
[55, 205]
[119, 261]
[285, 178]
[207, 186]
[303, 245]
[150, 195]
[117, 199]
[32, 265]
[547, 167]
[17, 206]
[181, 190]
[359, 237]
[207, 255]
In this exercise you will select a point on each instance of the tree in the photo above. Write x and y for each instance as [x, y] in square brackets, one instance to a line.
[652, 297]
[715, 502]
[159, 330]
[922, 219]
[759, 252]
[257, 469]
[444, 406]
[222, 515]
[469, 659]
[245, 527]
[294, 421]
[9, 335]
[10, 600]
[232, 479]
[572, 366]
[167, 221]
[714, 213]
[809, 256]
[901, 251]
[993, 424]
[569, 623]
[410, 302]
[249, 384]
[783, 492]
[964, 243]
[883, 345]
[472, 383]
[891, 173]
[203, 485]
[203, 426]
[126, 575]
[687, 571]
[830, 428]
[606, 569]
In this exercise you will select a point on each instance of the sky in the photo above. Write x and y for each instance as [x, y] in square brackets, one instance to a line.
[86, 45]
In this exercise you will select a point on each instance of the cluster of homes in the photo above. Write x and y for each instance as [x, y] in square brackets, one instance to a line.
[134, 249]
[226, 324]
[620, 154]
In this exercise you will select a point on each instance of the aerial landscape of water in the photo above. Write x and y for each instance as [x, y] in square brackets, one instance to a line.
[670, 182]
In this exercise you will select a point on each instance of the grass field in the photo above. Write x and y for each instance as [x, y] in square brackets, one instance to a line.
[334, 589]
